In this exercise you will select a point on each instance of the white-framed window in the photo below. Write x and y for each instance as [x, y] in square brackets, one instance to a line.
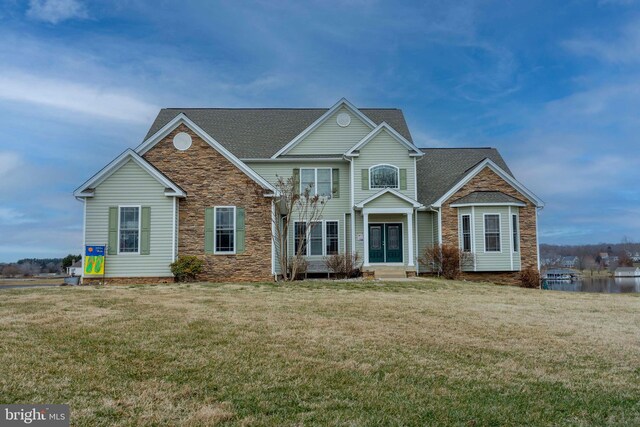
[514, 230]
[129, 229]
[331, 233]
[466, 233]
[319, 180]
[317, 238]
[492, 233]
[224, 226]
[384, 176]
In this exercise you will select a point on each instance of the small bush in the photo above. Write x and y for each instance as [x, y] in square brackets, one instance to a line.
[186, 268]
[446, 260]
[530, 278]
[344, 265]
[299, 264]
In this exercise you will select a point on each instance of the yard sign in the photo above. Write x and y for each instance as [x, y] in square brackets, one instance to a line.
[94, 260]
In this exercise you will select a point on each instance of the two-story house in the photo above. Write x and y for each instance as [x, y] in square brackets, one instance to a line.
[203, 183]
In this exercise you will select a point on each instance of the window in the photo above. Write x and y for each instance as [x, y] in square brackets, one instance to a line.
[225, 229]
[315, 238]
[300, 230]
[492, 233]
[514, 226]
[383, 176]
[129, 226]
[332, 237]
[322, 238]
[318, 180]
[466, 233]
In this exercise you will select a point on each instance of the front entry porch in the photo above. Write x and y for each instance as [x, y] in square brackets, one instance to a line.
[388, 237]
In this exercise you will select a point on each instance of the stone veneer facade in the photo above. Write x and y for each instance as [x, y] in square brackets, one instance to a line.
[209, 179]
[487, 180]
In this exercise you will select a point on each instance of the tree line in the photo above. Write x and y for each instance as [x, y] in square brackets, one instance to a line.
[33, 266]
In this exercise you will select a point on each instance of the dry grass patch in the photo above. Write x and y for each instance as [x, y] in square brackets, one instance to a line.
[415, 353]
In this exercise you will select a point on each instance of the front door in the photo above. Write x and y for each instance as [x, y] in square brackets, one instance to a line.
[385, 243]
[394, 242]
[376, 243]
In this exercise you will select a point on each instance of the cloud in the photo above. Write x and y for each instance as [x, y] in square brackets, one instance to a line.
[55, 11]
[105, 102]
[621, 49]
[9, 216]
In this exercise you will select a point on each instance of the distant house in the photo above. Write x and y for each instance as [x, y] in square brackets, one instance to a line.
[75, 269]
[635, 257]
[569, 261]
[627, 272]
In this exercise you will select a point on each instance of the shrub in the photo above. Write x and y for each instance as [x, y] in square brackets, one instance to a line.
[299, 265]
[446, 260]
[530, 278]
[344, 265]
[186, 268]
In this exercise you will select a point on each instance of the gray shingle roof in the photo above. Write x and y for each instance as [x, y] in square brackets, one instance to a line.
[441, 168]
[261, 132]
[487, 197]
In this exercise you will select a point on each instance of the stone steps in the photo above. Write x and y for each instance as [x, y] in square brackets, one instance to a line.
[390, 272]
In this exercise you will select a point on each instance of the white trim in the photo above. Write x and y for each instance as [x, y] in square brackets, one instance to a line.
[372, 211]
[296, 160]
[384, 191]
[410, 239]
[84, 235]
[215, 230]
[343, 102]
[415, 179]
[353, 211]
[315, 181]
[384, 126]
[474, 249]
[397, 187]
[537, 243]
[175, 232]
[273, 237]
[344, 243]
[511, 238]
[417, 245]
[484, 232]
[183, 119]
[440, 227]
[139, 228]
[461, 228]
[500, 172]
[86, 189]
[466, 205]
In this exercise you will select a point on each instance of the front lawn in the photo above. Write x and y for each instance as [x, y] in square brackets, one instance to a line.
[328, 353]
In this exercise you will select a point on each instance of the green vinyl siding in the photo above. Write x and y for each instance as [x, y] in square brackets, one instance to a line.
[383, 149]
[427, 236]
[330, 138]
[388, 201]
[132, 185]
[492, 261]
[335, 207]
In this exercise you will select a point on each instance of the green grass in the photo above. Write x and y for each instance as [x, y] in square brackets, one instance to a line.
[323, 353]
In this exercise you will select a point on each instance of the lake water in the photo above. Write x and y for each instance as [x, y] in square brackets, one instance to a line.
[610, 285]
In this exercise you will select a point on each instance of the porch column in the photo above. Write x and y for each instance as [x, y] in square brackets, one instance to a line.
[410, 237]
[365, 225]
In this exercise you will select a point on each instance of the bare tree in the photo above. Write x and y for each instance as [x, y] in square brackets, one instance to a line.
[10, 270]
[291, 207]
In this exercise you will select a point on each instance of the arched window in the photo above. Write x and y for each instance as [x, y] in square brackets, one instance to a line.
[383, 176]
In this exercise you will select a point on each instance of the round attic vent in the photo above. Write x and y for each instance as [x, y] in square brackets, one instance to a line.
[182, 141]
[343, 119]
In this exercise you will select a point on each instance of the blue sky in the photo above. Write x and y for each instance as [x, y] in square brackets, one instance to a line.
[554, 85]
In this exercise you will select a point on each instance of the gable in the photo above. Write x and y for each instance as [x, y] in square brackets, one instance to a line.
[127, 175]
[331, 138]
[487, 180]
[388, 200]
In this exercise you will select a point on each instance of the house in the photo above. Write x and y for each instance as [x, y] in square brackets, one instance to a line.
[203, 183]
[569, 261]
[627, 272]
[75, 269]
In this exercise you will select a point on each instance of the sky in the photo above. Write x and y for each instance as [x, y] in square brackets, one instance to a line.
[553, 85]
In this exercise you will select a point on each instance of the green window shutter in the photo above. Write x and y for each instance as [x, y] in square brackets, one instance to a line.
[335, 191]
[240, 232]
[403, 179]
[365, 179]
[113, 231]
[296, 180]
[208, 230]
[145, 231]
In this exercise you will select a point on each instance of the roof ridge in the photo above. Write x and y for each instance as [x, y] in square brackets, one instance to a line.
[457, 148]
[274, 108]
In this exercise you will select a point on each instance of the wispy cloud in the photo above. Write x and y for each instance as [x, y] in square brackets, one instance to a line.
[98, 100]
[55, 11]
[622, 47]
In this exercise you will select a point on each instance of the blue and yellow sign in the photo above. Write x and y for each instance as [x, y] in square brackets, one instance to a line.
[94, 260]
